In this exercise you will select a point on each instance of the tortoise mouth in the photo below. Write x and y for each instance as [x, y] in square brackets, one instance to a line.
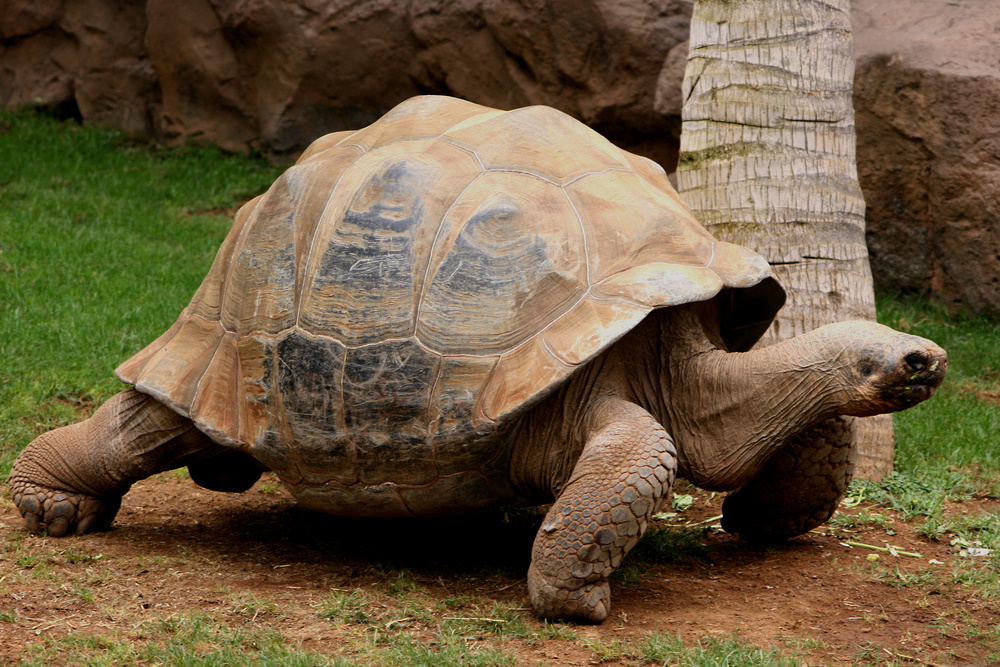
[915, 386]
[919, 386]
[906, 396]
[930, 374]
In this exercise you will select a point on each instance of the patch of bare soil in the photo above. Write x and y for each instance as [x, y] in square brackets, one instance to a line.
[177, 549]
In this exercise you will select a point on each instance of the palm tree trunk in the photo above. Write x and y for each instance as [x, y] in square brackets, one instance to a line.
[768, 161]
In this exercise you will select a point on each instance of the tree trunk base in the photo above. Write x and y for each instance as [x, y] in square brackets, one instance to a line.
[875, 447]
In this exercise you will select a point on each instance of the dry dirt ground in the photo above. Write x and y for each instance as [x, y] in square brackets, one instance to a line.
[258, 559]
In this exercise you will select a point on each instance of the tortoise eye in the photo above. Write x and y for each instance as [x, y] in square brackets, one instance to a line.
[916, 360]
[866, 368]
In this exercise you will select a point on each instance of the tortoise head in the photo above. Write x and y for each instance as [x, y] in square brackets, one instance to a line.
[886, 370]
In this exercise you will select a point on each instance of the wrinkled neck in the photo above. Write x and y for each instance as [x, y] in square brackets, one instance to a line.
[730, 412]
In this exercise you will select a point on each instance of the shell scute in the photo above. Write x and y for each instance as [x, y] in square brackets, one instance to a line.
[265, 300]
[583, 331]
[173, 373]
[207, 301]
[417, 118]
[521, 378]
[308, 373]
[452, 429]
[538, 140]
[661, 284]
[325, 143]
[651, 228]
[256, 395]
[217, 404]
[514, 241]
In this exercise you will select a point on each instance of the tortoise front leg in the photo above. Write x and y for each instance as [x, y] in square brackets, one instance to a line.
[627, 467]
[798, 489]
[72, 479]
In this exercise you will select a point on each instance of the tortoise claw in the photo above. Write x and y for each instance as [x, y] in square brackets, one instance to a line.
[63, 513]
[580, 602]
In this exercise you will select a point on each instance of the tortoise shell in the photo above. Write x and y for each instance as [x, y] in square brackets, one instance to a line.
[404, 291]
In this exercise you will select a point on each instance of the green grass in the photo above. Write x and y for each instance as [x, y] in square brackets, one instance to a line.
[101, 245]
[188, 641]
[710, 652]
[346, 607]
[957, 428]
[864, 518]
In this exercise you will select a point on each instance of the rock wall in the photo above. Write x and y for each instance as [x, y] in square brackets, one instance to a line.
[927, 100]
[271, 75]
[82, 57]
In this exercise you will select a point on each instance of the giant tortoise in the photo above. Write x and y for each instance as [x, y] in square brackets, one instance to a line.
[457, 308]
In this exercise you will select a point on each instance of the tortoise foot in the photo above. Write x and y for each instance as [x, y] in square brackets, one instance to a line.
[798, 489]
[569, 599]
[61, 512]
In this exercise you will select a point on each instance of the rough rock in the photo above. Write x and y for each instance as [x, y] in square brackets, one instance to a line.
[86, 55]
[927, 101]
[274, 74]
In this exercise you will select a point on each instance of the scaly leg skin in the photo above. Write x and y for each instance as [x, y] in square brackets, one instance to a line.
[798, 489]
[626, 469]
[72, 479]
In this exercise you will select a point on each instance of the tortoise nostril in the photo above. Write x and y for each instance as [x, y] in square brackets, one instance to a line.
[916, 360]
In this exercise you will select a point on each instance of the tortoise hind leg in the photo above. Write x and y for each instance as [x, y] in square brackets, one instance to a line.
[798, 489]
[71, 479]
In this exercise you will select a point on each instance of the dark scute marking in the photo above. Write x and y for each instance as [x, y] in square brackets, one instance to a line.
[489, 278]
[386, 394]
[367, 272]
[309, 372]
[459, 445]
[491, 256]
[389, 199]
[454, 420]
[374, 238]
[272, 450]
